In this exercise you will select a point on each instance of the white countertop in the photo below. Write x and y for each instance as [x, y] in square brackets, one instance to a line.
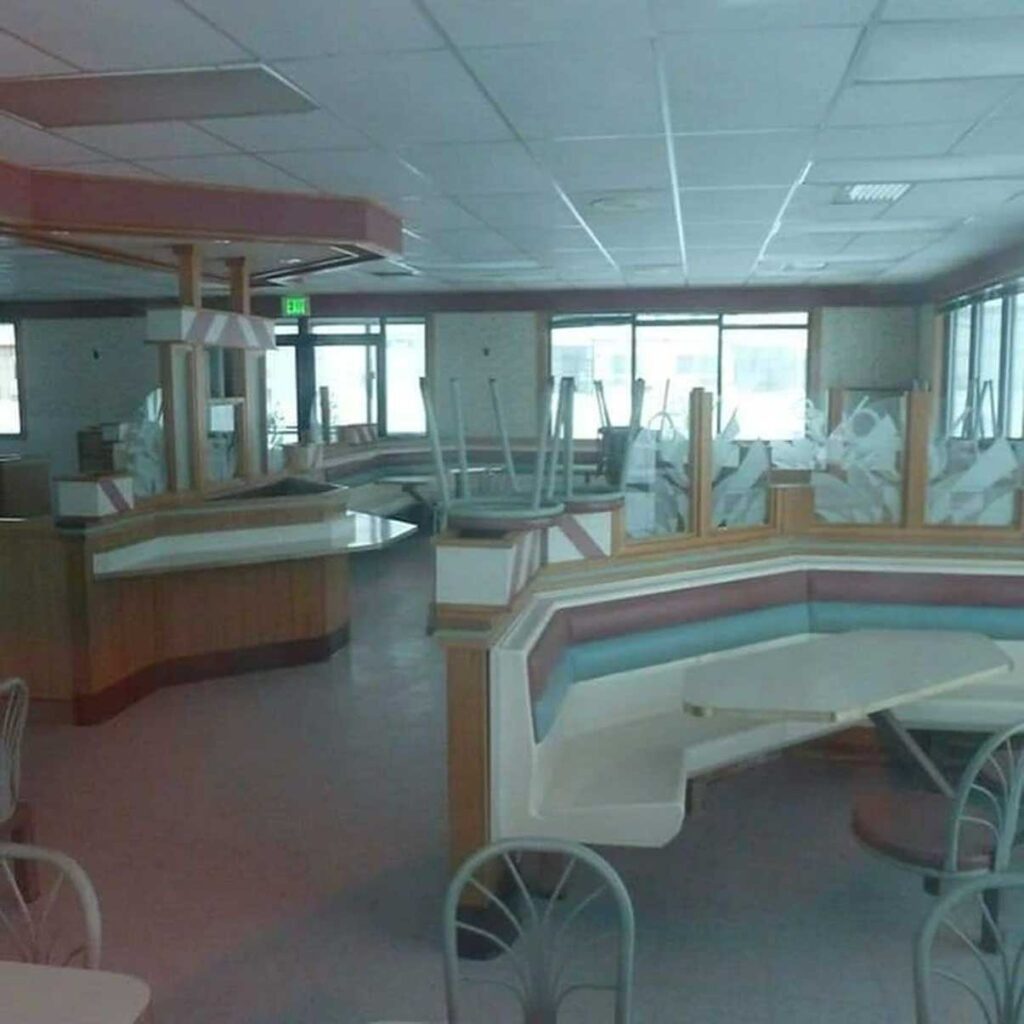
[346, 534]
[34, 994]
[842, 677]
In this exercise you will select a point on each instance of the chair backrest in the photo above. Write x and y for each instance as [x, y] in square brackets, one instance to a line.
[988, 797]
[975, 985]
[39, 932]
[537, 939]
[13, 715]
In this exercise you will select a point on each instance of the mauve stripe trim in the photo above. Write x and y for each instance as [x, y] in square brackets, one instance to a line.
[917, 588]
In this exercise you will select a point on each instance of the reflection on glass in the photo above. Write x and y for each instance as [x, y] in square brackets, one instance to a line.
[588, 353]
[959, 367]
[10, 409]
[406, 362]
[740, 474]
[672, 359]
[1015, 392]
[764, 381]
[350, 372]
[282, 401]
[973, 482]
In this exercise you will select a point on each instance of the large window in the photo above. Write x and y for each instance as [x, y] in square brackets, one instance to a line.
[755, 364]
[370, 366]
[10, 396]
[984, 366]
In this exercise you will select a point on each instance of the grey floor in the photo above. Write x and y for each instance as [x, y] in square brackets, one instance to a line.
[269, 850]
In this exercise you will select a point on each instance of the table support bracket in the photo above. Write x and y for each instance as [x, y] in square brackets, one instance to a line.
[890, 727]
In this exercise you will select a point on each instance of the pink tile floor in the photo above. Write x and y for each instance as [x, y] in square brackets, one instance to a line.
[269, 849]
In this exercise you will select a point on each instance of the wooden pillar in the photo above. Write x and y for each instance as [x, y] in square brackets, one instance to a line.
[836, 400]
[190, 293]
[792, 508]
[915, 458]
[469, 767]
[701, 470]
[243, 376]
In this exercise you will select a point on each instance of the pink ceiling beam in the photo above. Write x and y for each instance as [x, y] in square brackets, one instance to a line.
[67, 201]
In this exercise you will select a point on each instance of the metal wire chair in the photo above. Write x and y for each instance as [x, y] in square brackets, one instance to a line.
[36, 931]
[538, 937]
[990, 983]
[14, 702]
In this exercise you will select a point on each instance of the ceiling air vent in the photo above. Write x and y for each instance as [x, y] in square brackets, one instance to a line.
[873, 192]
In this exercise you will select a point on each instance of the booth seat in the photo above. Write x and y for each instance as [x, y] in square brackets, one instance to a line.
[589, 738]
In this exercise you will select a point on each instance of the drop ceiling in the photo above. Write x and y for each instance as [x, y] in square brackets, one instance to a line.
[570, 143]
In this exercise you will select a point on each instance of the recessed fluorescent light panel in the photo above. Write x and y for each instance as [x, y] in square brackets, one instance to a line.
[64, 101]
[874, 192]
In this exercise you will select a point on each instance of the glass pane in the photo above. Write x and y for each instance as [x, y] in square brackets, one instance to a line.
[350, 372]
[657, 476]
[959, 369]
[589, 353]
[990, 339]
[10, 409]
[766, 319]
[972, 482]
[282, 397]
[673, 359]
[764, 381]
[351, 327]
[405, 362]
[1015, 385]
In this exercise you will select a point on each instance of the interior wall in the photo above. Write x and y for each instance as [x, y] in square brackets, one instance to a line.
[76, 373]
[476, 346]
[870, 346]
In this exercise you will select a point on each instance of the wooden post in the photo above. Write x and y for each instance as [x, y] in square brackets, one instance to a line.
[469, 768]
[701, 471]
[196, 385]
[792, 508]
[243, 375]
[836, 400]
[915, 458]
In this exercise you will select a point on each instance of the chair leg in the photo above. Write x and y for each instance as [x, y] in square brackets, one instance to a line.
[21, 829]
[990, 922]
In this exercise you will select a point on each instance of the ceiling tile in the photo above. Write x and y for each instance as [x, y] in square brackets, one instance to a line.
[114, 35]
[130, 141]
[809, 245]
[731, 204]
[673, 16]
[23, 144]
[550, 239]
[747, 158]
[749, 80]
[888, 140]
[18, 58]
[920, 102]
[428, 213]
[281, 133]
[954, 199]
[514, 22]
[235, 169]
[933, 10]
[313, 28]
[650, 229]
[895, 245]
[523, 209]
[994, 138]
[583, 164]
[731, 266]
[479, 167]
[578, 89]
[401, 98]
[368, 172]
[476, 245]
[817, 203]
[112, 168]
[926, 51]
[726, 235]
[666, 256]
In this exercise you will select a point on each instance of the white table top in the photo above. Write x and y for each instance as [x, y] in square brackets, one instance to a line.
[842, 677]
[33, 994]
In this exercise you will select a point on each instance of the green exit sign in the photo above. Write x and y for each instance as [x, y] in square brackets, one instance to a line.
[295, 305]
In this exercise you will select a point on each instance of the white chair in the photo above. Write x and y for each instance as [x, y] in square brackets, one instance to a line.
[35, 931]
[13, 715]
[986, 987]
[492, 904]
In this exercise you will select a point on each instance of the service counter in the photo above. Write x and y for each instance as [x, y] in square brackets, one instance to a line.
[96, 614]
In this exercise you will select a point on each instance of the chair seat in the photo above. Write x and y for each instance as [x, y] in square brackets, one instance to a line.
[913, 828]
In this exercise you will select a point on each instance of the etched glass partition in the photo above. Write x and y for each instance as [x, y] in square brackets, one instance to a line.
[973, 482]
[141, 449]
[657, 474]
[740, 473]
[861, 478]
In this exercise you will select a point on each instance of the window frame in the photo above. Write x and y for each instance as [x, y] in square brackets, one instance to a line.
[19, 379]
[635, 319]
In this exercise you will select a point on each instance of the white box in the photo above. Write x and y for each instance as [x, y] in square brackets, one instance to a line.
[94, 497]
